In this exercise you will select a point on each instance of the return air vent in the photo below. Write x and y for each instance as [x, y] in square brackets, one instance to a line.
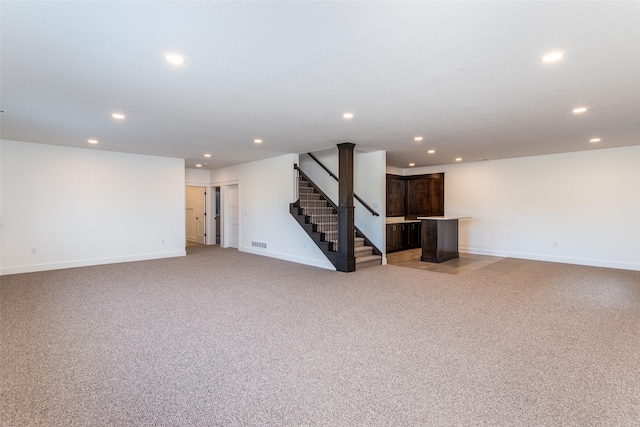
[259, 244]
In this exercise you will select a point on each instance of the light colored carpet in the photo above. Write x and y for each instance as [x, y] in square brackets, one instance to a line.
[233, 339]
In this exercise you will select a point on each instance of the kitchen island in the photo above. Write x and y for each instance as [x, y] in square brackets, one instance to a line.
[439, 238]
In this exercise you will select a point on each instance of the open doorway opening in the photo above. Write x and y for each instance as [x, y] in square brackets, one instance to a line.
[196, 215]
[226, 198]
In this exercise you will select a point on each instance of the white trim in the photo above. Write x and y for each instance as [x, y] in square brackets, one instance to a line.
[224, 194]
[223, 183]
[553, 258]
[195, 184]
[88, 262]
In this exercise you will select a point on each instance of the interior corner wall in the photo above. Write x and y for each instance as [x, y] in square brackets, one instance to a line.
[66, 207]
[266, 188]
[370, 183]
[578, 208]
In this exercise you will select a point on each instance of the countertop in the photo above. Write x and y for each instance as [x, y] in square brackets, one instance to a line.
[443, 218]
[400, 220]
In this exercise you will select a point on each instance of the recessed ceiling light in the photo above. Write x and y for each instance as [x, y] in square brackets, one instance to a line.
[348, 115]
[552, 56]
[417, 138]
[459, 159]
[257, 141]
[175, 59]
[118, 116]
[431, 151]
[92, 141]
[198, 165]
[594, 140]
[579, 110]
[412, 164]
[207, 155]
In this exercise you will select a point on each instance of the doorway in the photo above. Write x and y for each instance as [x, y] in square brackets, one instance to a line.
[231, 216]
[226, 204]
[216, 191]
[196, 215]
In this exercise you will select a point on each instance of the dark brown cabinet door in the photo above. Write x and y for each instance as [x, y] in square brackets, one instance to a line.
[394, 237]
[435, 201]
[414, 235]
[395, 196]
[425, 195]
[417, 196]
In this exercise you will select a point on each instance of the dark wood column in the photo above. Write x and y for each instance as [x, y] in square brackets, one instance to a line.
[346, 260]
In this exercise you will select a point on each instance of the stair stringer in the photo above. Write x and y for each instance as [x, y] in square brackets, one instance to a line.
[318, 237]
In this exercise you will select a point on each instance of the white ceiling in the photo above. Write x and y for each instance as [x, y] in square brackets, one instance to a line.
[467, 76]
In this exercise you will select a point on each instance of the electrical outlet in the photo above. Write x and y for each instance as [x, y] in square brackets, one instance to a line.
[555, 244]
[163, 241]
[33, 251]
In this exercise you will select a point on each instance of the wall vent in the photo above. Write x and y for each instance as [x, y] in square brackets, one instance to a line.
[259, 244]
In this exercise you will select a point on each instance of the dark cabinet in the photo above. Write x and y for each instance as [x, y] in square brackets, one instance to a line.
[414, 235]
[395, 237]
[403, 236]
[435, 190]
[416, 195]
[425, 195]
[395, 196]
[412, 196]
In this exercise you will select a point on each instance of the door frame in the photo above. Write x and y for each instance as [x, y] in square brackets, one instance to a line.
[224, 217]
[206, 210]
[209, 206]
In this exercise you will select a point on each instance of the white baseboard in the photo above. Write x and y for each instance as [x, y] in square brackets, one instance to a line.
[87, 262]
[554, 258]
[326, 264]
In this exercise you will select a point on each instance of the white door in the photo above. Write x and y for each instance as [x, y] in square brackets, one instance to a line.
[195, 215]
[201, 215]
[192, 225]
[233, 216]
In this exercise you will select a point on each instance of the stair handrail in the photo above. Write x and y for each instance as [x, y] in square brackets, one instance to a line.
[374, 213]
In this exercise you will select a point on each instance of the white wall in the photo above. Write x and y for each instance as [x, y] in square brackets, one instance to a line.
[196, 177]
[266, 189]
[319, 176]
[68, 207]
[587, 203]
[369, 183]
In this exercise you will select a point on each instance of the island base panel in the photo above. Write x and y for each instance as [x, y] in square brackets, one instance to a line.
[439, 240]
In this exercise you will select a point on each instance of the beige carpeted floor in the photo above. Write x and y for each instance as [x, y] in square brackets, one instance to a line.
[232, 339]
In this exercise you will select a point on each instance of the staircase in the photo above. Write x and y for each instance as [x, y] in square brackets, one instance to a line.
[318, 216]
